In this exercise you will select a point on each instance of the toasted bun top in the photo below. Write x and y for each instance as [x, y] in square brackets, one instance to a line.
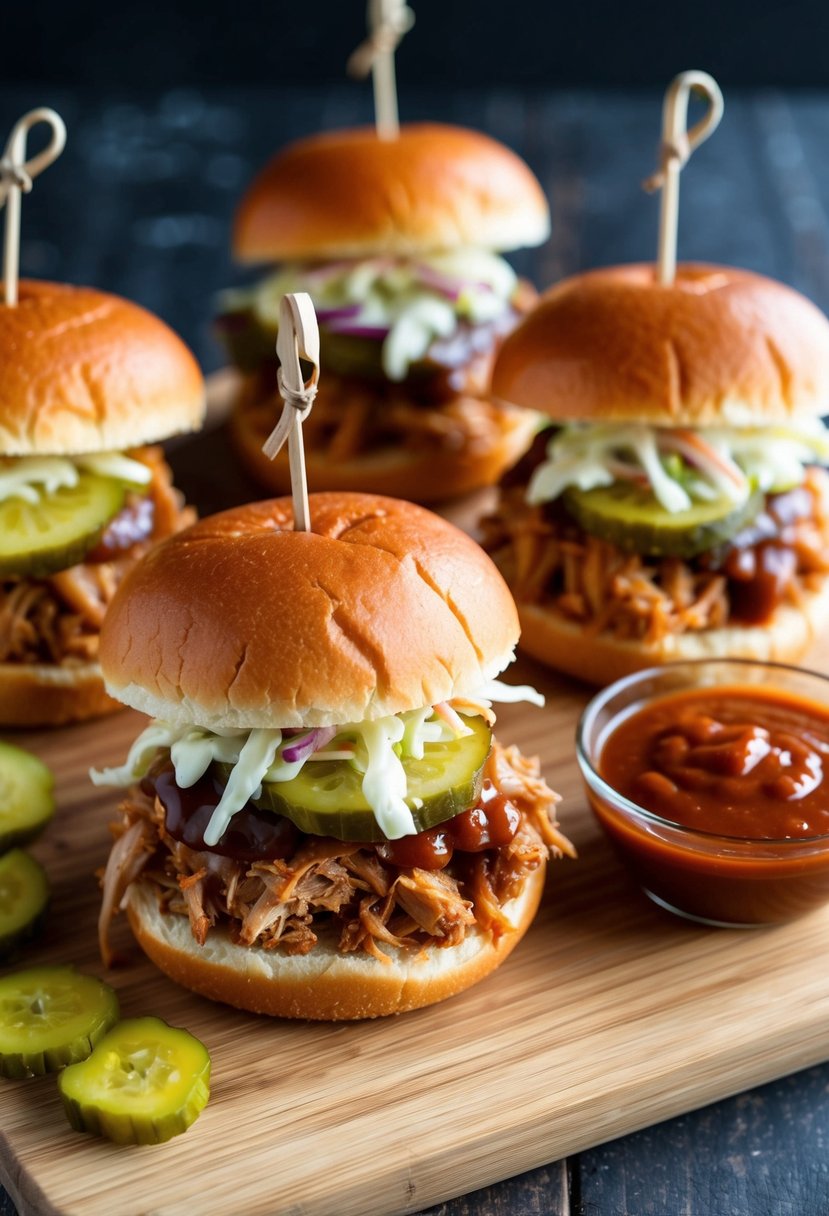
[718, 347]
[239, 621]
[351, 194]
[83, 371]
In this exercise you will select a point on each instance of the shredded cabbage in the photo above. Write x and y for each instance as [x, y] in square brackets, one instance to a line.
[116, 465]
[509, 694]
[31, 477]
[384, 781]
[680, 465]
[413, 301]
[375, 749]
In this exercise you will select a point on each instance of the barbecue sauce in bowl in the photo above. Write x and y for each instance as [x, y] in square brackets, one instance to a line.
[715, 794]
[751, 763]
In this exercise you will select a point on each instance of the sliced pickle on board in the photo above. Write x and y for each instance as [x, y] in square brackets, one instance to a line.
[26, 799]
[144, 1083]
[50, 1017]
[636, 522]
[24, 894]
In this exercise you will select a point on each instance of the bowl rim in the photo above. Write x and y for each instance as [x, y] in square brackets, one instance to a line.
[598, 785]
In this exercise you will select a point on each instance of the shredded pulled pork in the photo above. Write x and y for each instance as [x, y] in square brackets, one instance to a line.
[57, 619]
[547, 559]
[444, 406]
[286, 903]
[353, 417]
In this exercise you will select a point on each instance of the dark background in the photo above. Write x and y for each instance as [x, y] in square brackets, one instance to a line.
[603, 43]
[172, 107]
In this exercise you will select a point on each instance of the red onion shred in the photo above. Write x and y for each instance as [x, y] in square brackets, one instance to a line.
[300, 749]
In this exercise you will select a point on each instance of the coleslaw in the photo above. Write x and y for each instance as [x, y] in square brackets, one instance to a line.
[680, 465]
[407, 303]
[376, 749]
[29, 478]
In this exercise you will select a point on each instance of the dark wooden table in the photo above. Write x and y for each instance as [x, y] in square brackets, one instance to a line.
[141, 204]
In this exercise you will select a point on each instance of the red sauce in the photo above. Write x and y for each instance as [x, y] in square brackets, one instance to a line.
[251, 835]
[747, 765]
[256, 835]
[489, 825]
[760, 562]
[736, 762]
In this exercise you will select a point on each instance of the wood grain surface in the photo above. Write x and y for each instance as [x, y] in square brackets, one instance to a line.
[610, 1016]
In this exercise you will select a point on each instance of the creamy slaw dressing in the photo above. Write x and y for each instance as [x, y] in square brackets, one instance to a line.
[683, 464]
[376, 749]
[413, 301]
[30, 478]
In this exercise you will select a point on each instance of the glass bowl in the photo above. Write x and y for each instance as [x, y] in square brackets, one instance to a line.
[722, 880]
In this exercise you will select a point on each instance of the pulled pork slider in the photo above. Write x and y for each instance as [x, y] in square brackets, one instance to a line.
[320, 823]
[677, 508]
[397, 242]
[87, 380]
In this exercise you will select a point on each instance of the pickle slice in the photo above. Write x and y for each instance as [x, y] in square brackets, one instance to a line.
[144, 1083]
[49, 1017]
[635, 521]
[326, 797]
[248, 341]
[26, 800]
[24, 894]
[55, 533]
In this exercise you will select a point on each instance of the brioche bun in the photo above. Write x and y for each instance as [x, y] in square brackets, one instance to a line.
[718, 347]
[351, 194]
[83, 371]
[43, 694]
[239, 621]
[325, 984]
[421, 475]
[601, 658]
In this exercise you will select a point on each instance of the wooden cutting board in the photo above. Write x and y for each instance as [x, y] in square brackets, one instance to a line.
[611, 1015]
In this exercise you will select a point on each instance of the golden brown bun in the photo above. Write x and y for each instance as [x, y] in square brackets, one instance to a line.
[601, 659]
[239, 621]
[82, 371]
[719, 347]
[325, 985]
[416, 474]
[47, 695]
[350, 194]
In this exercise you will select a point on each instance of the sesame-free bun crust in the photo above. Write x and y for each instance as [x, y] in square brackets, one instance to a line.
[418, 474]
[351, 194]
[718, 347]
[83, 371]
[43, 694]
[240, 621]
[325, 984]
[600, 658]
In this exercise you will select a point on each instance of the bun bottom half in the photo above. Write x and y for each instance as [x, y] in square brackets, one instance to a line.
[43, 694]
[423, 476]
[601, 658]
[325, 984]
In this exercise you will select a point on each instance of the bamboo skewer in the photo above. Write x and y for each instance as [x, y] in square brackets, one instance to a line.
[16, 177]
[298, 342]
[677, 145]
[388, 21]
